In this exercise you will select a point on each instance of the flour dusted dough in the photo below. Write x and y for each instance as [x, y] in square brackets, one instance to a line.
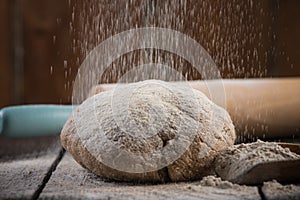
[164, 110]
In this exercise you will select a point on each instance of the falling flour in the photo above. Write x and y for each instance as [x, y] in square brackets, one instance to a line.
[238, 159]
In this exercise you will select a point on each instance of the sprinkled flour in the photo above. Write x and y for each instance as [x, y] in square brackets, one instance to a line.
[238, 159]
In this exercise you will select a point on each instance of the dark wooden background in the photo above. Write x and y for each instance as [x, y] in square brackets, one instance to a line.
[38, 60]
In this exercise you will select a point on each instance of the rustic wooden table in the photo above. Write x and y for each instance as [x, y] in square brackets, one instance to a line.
[40, 169]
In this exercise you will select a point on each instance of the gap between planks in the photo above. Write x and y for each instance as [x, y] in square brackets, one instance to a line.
[47, 177]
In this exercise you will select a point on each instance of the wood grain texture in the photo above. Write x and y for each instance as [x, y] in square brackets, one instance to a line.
[23, 167]
[288, 59]
[283, 171]
[5, 54]
[48, 51]
[70, 180]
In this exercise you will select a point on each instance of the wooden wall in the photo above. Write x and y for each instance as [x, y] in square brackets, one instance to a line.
[287, 60]
[6, 82]
[47, 51]
[38, 61]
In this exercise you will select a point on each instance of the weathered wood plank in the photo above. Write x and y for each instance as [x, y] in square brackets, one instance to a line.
[273, 190]
[72, 181]
[23, 170]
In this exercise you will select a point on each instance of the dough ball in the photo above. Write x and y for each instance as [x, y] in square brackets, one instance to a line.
[149, 131]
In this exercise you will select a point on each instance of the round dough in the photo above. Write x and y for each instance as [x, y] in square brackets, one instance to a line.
[149, 131]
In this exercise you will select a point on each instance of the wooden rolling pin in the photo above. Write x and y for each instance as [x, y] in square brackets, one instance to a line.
[259, 108]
